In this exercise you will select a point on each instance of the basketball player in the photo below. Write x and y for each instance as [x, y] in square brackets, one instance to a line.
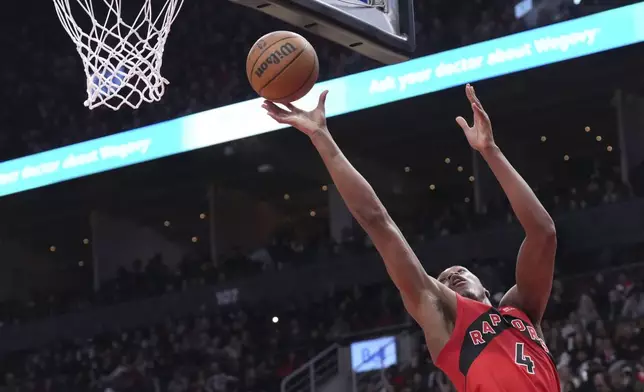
[479, 347]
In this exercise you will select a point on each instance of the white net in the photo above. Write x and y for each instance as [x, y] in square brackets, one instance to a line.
[365, 3]
[121, 47]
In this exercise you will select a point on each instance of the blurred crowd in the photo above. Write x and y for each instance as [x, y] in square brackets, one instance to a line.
[41, 115]
[216, 351]
[587, 186]
[594, 324]
[594, 327]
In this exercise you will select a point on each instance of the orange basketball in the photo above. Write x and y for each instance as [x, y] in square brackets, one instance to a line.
[282, 66]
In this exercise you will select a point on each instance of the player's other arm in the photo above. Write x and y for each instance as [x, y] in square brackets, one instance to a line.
[535, 262]
[423, 296]
[536, 258]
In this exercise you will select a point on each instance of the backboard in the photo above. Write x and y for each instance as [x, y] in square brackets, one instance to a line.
[380, 29]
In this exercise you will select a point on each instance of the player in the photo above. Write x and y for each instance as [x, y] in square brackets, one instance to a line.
[480, 348]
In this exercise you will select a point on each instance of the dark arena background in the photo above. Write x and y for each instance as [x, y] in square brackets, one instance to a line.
[207, 250]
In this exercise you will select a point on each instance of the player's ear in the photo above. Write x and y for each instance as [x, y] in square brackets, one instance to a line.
[487, 293]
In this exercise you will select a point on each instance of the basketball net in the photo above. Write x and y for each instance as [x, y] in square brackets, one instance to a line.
[121, 55]
[366, 3]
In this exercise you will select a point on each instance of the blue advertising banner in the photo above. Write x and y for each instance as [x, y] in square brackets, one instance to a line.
[563, 41]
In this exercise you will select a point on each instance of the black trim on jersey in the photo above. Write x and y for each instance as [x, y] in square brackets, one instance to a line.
[470, 351]
[527, 334]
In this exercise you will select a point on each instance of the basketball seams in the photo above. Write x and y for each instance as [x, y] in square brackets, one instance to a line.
[282, 68]
[281, 71]
[249, 74]
[306, 81]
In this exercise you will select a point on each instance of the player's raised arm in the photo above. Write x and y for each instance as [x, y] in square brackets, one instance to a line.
[423, 296]
[535, 262]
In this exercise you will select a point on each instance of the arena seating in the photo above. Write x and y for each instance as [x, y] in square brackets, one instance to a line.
[593, 327]
[147, 278]
[595, 321]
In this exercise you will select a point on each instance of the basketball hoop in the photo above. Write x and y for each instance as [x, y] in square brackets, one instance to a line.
[366, 3]
[121, 55]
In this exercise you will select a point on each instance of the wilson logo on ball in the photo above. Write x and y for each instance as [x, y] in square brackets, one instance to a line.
[275, 58]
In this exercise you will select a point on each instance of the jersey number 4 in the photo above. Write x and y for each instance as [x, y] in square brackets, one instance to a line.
[523, 360]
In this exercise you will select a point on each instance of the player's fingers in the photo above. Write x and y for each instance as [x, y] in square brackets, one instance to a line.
[479, 112]
[271, 107]
[462, 123]
[469, 92]
[280, 118]
[274, 117]
[292, 107]
[474, 97]
[322, 99]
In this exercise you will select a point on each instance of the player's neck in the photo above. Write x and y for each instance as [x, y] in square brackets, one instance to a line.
[484, 299]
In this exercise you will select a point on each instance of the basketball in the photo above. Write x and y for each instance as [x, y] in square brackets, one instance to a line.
[282, 66]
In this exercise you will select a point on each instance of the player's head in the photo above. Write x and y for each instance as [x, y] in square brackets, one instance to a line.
[465, 283]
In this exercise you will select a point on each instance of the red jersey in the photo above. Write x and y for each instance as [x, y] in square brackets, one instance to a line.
[494, 350]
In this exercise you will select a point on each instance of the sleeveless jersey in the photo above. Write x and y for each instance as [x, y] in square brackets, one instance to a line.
[496, 351]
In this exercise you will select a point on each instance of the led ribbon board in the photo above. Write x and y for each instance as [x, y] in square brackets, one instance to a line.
[563, 41]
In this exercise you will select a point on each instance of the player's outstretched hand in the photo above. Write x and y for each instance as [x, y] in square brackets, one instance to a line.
[307, 122]
[480, 134]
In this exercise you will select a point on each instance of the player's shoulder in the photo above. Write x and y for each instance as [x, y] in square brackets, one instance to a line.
[503, 309]
[475, 311]
[513, 312]
[510, 310]
[520, 322]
